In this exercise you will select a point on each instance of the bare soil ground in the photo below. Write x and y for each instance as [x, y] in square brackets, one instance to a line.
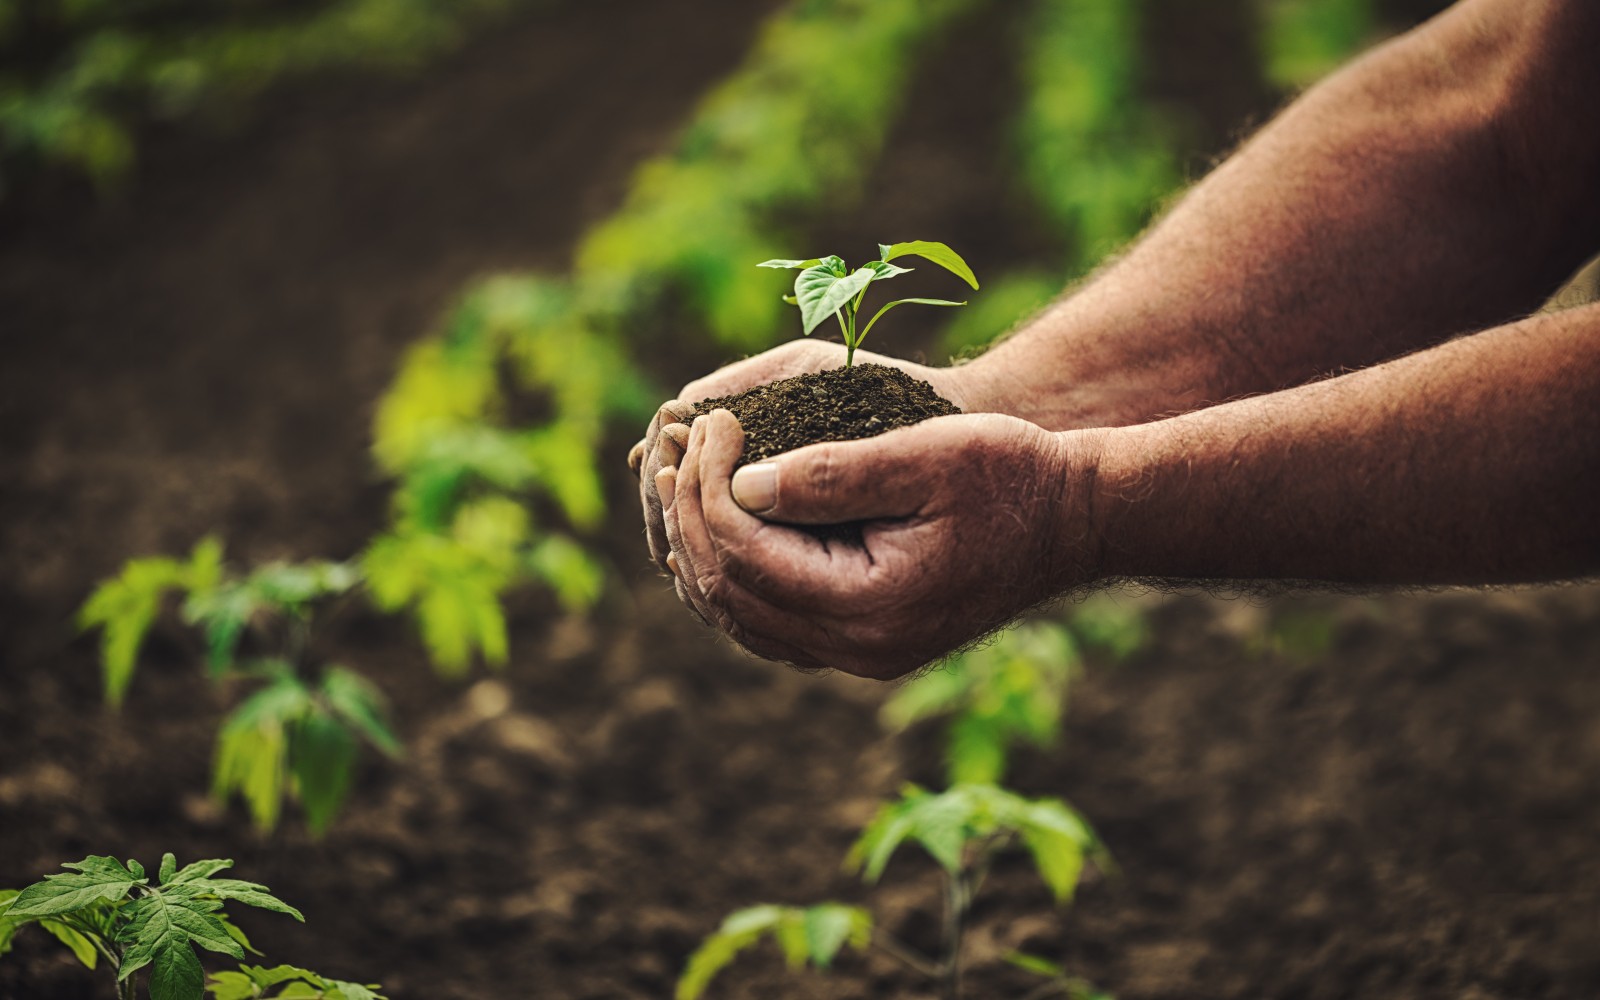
[1410, 813]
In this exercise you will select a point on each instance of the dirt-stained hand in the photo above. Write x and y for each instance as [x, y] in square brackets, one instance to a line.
[668, 434]
[966, 521]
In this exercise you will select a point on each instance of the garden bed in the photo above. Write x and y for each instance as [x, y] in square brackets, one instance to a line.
[1409, 813]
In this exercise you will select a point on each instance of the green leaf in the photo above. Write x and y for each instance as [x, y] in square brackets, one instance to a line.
[1035, 964]
[829, 925]
[169, 868]
[885, 269]
[739, 930]
[821, 292]
[900, 302]
[176, 974]
[250, 894]
[198, 870]
[937, 253]
[322, 756]
[98, 877]
[253, 748]
[74, 939]
[569, 570]
[790, 264]
[790, 932]
[9, 924]
[360, 704]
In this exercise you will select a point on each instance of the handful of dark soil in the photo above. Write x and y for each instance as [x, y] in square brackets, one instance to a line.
[840, 404]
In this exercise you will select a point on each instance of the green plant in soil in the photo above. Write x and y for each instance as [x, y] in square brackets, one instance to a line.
[826, 286]
[299, 734]
[964, 830]
[103, 909]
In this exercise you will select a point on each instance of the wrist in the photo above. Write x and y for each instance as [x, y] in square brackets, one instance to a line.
[1078, 553]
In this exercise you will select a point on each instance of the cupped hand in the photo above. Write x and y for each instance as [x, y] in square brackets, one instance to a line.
[668, 434]
[966, 521]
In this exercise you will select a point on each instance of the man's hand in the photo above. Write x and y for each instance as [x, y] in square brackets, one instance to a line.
[663, 444]
[966, 521]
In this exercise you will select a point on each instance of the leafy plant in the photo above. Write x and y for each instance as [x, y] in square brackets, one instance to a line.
[1012, 690]
[963, 829]
[298, 735]
[104, 909]
[826, 286]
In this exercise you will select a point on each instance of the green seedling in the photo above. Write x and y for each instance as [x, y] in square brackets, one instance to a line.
[106, 910]
[963, 829]
[826, 286]
[298, 736]
[1013, 690]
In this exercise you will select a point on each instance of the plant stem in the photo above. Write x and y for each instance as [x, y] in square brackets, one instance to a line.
[957, 899]
[125, 988]
[904, 954]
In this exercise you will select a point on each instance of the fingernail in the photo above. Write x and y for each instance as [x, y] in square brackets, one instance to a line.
[755, 487]
[667, 484]
[672, 563]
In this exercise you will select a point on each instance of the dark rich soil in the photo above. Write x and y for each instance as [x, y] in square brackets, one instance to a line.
[840, 404]
[1410, 812]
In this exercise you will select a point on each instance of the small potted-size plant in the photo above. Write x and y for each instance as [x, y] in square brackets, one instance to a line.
[855, 401]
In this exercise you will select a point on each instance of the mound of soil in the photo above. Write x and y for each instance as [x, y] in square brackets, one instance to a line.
[841, 404]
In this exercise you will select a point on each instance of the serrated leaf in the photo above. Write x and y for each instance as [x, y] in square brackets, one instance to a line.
[198, 870]
[97, 878]
[250, 894]
[821, 293]
[169, 868]
[322, 756]
[937, 253]
[231, 986]
[176, 974]
[159, 930]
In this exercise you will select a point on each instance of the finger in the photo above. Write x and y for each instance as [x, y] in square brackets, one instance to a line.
[776, 562]
[667, 485]
[636, 457]
[892, 475]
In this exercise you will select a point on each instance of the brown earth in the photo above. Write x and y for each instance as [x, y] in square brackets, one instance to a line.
[1409, 811]
[841, 404]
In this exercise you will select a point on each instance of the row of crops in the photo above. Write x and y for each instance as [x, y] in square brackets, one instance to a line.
[483, 505]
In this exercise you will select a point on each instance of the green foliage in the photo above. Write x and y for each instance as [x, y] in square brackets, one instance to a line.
[829, 70]
[1055, 976]
[115, 63]
[953, 825]
[299, 735]
[1011, 690]
[813, 934]
[104, 908]
[292, 739]
[1304, 40]
[1097, 156]
[125, 607]
[826, 286]
[290, 983]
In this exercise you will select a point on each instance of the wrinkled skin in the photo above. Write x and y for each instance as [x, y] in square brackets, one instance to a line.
[955, 515]
[668, 434]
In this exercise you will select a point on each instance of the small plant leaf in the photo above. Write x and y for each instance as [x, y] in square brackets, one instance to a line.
[74, 939]
[1036, 965]
[829, 925]
[821, 292]
[739, 930]
[359, 703]
[97, 878]
[886, 269]
[900, 302]
[322, 756]
[937, 253]
[790, 264]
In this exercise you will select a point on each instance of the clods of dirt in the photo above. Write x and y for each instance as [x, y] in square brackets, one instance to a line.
[840, 404]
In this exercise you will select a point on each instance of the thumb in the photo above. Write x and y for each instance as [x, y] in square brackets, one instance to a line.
[886, 476]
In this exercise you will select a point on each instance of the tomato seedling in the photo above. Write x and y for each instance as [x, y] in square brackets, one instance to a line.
[104, 909]
[826, 286]
[964, 829]
[299, 735]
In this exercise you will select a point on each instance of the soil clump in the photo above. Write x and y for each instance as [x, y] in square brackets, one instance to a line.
[840, 404]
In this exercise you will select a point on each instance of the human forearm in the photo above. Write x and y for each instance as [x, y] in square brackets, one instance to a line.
[1477, 461]
[1435, 186]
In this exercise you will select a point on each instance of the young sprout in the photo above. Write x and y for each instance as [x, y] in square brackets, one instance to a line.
[827, 286]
